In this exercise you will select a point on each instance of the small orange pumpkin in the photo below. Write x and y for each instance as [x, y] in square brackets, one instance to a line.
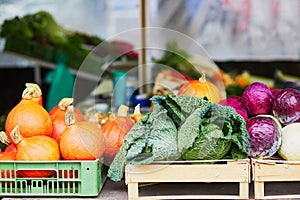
[201, 88]
[35, 148]
[58, 115]
[114, 131]
[61, 108]
[30, 116]
[81, 140]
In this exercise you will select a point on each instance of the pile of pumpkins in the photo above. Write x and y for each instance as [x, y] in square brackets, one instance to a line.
[34, 134]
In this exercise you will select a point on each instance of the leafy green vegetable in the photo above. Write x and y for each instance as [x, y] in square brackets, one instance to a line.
[182, 127]
[189, 131]
[173, 109]
[209, 145]
[154, 137]
[16, 28]
[220, 131]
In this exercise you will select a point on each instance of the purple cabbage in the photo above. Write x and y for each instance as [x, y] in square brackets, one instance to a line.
[264, 136]
[275, 91]
[236, 103]
[286, 106]
[257, 99]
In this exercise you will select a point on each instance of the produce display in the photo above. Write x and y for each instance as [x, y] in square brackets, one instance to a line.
[33, 134]
[262, 123]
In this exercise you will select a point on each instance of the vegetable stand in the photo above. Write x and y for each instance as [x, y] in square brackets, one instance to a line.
[190, 171]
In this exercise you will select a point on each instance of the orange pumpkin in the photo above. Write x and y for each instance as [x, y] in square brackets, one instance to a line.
[114, 131]
[81, 140]
[35, 148]
[61, 108]
[201, 88]
[31, 118]
[58, 115]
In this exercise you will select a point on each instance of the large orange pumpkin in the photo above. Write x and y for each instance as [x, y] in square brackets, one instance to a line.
[114, 131]
[31, 118]
[81, 140]
[35, 148]
[58, 115]
[201, 88]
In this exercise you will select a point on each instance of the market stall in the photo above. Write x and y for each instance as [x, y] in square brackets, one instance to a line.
[163, 99]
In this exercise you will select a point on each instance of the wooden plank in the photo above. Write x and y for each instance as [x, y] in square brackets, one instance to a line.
[259, 192]
[274, 171]
[244, 190]
[188, 173]
[182, 172]
[133, 190]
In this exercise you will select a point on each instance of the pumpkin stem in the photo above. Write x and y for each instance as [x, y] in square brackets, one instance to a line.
[70, 117]
[123, 110]
[64, 103]
[15, 135]
[101, 118]
[137, 115]
[32, 90]
[202, 79]
[137, 110]
[4, 139]
[111, 116]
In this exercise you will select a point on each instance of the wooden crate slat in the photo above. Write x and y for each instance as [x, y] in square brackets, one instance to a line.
[274, 171]
[231, 171]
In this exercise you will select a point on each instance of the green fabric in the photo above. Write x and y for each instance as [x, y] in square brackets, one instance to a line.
[61, 81]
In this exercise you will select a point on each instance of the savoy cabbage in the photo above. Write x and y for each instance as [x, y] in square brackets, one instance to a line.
[182, 127]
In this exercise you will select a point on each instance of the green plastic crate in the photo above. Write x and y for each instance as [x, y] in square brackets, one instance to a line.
[72, 178]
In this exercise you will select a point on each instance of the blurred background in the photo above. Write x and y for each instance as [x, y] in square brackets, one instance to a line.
[252, 38]
[229, 30]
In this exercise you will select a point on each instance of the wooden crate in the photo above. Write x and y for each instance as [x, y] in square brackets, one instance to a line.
[281, 171]
[224, 171]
